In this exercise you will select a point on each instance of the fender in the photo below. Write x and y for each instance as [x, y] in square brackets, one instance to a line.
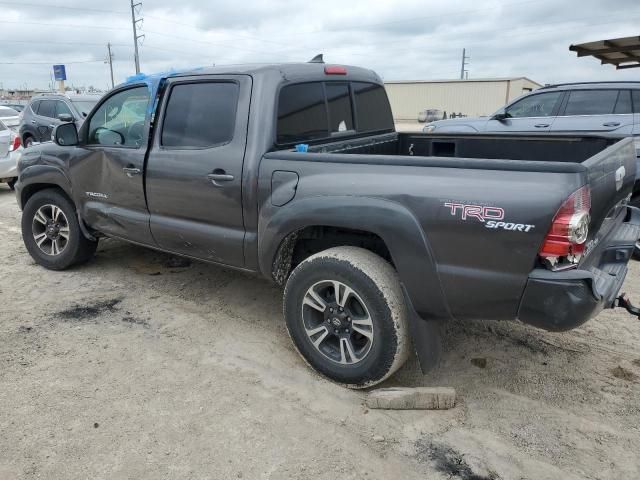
[41, 174]
[391, 221]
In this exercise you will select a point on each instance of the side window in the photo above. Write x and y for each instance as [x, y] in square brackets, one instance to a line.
[302, 113]
[339, 100]
[47, 108]
[372, 107]
[62, 108]
[538, 105]
[34, 106]
[623, 105]
[591, 102]
[200, 115]
[120, 119]
[636, 101]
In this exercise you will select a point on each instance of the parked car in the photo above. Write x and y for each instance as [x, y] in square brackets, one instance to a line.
[430, 115]
[16, 106]
[8, 112]
[10, 150]
[376, 236]
[45, 111]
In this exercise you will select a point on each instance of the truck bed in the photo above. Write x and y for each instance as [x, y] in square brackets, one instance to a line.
[548, 148]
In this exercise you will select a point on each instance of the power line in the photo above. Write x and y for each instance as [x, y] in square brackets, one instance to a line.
[49, 62]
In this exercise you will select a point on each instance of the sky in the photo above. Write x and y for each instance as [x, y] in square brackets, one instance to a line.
[401, 40]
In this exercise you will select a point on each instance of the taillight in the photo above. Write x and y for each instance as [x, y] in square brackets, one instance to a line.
[565, 242]
[16, 143]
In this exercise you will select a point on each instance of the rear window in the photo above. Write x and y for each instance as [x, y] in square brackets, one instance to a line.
[339, 101]
[591, 102]
[200, 115]
[372, 107]
[302, 113]
[315, 110]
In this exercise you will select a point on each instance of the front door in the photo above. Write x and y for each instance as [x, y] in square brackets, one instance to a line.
[194, 170]
[533, 113]
[108, 167]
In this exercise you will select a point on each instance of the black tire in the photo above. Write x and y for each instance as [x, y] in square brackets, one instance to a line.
[76, 248]
[375, 285]
[28, 141]
[12, 183]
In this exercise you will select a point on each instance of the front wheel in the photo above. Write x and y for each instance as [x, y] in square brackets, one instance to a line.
[346, 315]
[51, 232]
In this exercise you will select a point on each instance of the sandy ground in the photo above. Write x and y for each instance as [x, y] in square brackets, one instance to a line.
[139, 365]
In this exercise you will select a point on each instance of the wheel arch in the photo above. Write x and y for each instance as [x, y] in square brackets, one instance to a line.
[389, 226]
[39, 177]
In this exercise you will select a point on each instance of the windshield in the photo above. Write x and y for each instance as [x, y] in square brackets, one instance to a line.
[84, 106]
[8, 112]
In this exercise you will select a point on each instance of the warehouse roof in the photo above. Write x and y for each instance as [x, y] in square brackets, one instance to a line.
[621, 52]
[468, 80]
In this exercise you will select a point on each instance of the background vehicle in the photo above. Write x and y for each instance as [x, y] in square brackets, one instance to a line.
[369, 230]
[430, 115]
[16, 106]
[8, 112]
[46, 111]
[10, 150]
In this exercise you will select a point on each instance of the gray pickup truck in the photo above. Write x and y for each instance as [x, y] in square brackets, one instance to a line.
[295, 172]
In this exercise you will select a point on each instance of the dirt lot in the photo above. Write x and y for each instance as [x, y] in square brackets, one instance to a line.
[140, 365]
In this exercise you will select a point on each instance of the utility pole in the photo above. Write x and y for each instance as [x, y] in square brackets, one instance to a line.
[464, 62]
[110, 61]
[136, 37]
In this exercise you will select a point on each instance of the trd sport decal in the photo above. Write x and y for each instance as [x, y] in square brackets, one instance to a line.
[492, 217]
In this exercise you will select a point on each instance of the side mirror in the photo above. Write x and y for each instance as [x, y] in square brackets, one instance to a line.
[65, 117]
[66, 135]
[500, 116]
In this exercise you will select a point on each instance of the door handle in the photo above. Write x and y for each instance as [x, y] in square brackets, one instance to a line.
[541, 125]
[130, 171]
[611, 124]
[33, 121]
[219, 175]
[52, 126]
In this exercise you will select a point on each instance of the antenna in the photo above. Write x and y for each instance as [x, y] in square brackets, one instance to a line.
[317, 59]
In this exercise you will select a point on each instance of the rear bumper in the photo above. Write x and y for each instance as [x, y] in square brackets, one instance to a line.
[559, 301]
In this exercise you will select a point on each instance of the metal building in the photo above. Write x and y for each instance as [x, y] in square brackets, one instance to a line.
[469, 97]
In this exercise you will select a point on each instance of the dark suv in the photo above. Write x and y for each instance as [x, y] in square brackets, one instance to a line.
[46, 111]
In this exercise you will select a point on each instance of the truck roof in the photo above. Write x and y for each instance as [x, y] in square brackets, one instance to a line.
[289, 71]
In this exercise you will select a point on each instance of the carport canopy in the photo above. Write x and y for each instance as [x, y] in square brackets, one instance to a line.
[621, 52]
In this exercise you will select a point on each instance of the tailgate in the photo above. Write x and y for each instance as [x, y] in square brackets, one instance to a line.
[611, 177]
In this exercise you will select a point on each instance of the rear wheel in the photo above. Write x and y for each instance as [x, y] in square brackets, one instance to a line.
[28, 141]
[51, 232]
[12, 183]
[346, 314]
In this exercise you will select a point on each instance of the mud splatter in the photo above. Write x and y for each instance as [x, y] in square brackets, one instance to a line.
[86, 312]
[449, 462]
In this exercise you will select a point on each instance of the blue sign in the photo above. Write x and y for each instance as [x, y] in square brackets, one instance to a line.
[59, 73]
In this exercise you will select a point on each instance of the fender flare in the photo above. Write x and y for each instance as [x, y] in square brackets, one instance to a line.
[42, 174]
[391, 221]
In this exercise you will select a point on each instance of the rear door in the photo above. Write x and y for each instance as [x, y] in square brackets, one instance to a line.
[596, 111]
[533, 113]
[194, 170]
[43, 121]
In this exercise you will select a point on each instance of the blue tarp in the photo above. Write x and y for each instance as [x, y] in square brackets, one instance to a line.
[154, 81]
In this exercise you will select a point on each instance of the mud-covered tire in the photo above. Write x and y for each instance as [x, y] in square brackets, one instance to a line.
[12, 183]
[77, 248]
[376, 285]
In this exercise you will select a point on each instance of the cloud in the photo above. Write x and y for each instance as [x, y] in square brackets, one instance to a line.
[412, 39]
